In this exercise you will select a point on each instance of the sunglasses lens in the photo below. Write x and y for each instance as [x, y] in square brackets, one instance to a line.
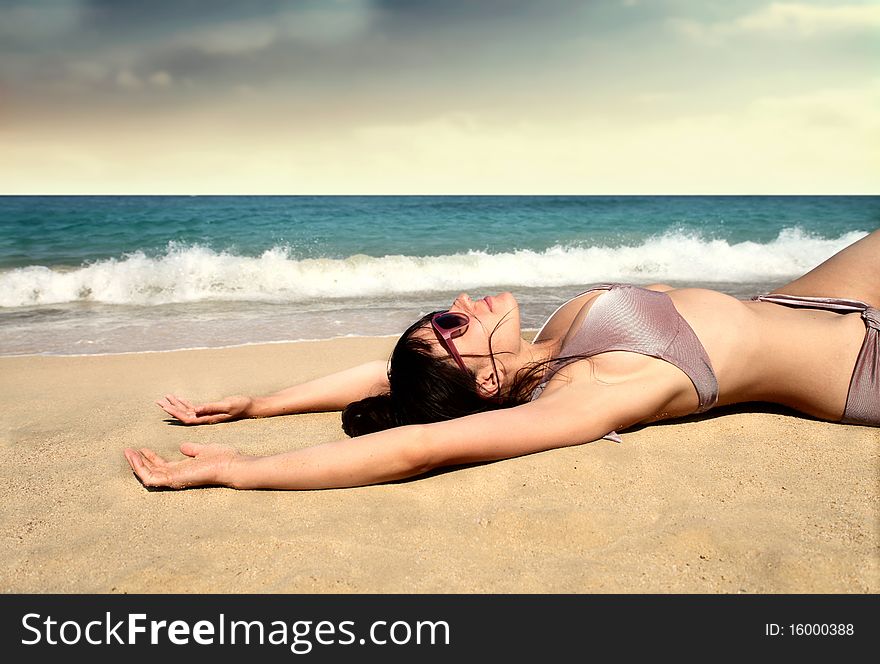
[450, 320]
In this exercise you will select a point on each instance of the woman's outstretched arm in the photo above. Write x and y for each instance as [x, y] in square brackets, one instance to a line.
[566, 417]
[332, 392]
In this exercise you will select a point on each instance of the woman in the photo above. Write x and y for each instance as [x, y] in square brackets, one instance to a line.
[463, 386]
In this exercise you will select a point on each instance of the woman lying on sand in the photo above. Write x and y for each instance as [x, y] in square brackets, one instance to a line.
[462, 386]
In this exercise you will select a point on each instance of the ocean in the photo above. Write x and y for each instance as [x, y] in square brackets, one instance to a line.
[115, 274]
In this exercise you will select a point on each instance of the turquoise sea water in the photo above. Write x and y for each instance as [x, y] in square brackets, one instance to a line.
[92, 274]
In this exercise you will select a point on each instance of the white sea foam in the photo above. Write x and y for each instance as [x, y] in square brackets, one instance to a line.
[196, 273]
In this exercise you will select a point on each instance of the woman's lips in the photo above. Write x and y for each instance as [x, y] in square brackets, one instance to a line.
[488, 301]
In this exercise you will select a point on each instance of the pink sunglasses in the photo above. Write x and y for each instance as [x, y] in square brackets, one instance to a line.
[448, 325]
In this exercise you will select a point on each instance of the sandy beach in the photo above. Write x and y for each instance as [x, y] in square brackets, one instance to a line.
[754, 501]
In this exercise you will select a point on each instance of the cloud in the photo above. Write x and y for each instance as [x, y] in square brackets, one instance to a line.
[87, 72]
[784, 20]
[229, 38]
[806, 20]
[820, 142]
[855, 110]
[312, 25]
[328, 23]
[462, 10]
[128, 81]
[161, 79]
[22, 24]
[411, 95]
[135, 16]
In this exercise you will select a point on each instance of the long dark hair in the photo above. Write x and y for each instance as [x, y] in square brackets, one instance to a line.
[426, 388]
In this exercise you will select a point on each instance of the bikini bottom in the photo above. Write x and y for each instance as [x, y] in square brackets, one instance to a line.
[863, 397]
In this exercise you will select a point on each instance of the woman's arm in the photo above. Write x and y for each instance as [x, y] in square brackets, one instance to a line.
[565, 417]
[333, 392]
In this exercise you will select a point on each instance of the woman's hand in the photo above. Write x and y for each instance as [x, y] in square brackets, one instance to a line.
[206, 464]
[230, 408]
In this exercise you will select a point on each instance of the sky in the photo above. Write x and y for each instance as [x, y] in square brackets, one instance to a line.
[439, 97]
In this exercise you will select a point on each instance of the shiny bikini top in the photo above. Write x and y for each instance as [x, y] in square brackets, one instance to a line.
[638, 320]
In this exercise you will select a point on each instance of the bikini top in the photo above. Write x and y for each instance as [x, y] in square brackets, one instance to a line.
[638, 320]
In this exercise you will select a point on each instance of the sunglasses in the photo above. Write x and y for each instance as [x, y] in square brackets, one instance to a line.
[448, 325]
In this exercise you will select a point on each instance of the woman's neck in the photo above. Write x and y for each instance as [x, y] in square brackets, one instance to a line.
[533, 353]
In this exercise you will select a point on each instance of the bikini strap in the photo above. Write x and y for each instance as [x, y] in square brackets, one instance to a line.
[829, 303]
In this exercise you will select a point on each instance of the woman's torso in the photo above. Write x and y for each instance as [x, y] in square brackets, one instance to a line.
[759, 351]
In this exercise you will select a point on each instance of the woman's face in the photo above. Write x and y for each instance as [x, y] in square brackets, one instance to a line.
[496, 313]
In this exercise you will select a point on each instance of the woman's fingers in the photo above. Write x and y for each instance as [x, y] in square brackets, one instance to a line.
[165, 404]
[176, 412]
[129, 456]
[184, 406]
[177, 403]
[192, 470]
[153, 470]
[152, 457]
[213, 419]
[187, 404]
[202, 419]
[176, 408]
[183, 410]
[146, 472]
[215, 408]
[190, 449]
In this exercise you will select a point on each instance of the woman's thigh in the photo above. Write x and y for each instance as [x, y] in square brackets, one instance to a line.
[852, 273]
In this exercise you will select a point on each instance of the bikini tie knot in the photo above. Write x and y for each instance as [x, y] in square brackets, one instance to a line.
[872, 317]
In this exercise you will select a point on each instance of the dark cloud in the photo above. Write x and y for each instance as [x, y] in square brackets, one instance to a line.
[137, 15]
[455, 53]
[415, 56]
[583, 15]
[458, 10]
